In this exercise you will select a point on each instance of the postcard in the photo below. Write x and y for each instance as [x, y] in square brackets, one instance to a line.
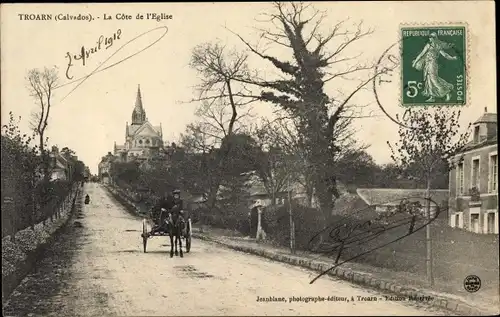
[253, 158]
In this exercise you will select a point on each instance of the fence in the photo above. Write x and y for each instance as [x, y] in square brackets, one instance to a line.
[24, 205]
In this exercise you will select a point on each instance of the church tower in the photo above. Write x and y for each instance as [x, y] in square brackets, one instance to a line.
[138, 115]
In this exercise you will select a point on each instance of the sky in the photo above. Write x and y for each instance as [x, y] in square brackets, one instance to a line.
[89, 116]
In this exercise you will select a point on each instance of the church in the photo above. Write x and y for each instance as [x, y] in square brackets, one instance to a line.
[142, 140]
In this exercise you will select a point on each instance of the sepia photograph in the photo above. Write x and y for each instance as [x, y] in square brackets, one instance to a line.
[333, 158]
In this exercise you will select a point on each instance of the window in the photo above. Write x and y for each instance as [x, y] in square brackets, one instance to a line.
[459, 220]
[475, 173]
[140, 141]
[460, 178]
[493, 173]
[147, 141]
[476, 134]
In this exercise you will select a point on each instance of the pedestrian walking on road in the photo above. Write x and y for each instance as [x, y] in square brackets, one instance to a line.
[87, 199]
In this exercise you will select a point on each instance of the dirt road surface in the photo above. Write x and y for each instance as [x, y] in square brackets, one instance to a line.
[99, 269]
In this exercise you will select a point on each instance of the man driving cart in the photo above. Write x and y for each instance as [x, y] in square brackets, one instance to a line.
[164, 207]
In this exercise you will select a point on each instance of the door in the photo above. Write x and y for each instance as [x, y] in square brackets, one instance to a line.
[474, 221]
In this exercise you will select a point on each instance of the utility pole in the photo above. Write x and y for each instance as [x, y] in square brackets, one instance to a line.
[292, 224]
[428, 238]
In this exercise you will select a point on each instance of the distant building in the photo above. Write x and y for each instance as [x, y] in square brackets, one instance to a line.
[382, 200]
[104, 167]
[474, 182]
[59, 165]
[142, 139]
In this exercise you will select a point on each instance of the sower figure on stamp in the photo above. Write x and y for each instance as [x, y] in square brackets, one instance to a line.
[427, 61]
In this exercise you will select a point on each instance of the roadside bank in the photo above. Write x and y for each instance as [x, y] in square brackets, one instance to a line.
[20, 257]
[350, 272]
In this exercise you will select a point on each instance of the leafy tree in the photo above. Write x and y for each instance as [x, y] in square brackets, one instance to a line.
[357, 168]
[321, 119]
[20, 173]
[125, 172]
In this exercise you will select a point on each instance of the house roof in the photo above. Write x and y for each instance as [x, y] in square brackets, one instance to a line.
[198, 199]
[474, 145]
[393, 196]
[487, 118]
[257, 189]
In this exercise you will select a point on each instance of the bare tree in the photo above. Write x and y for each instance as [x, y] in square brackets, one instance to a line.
[217, 120]
[426, 142]
[317, 58]
[285, 159]
[218, 69]
[41, 85]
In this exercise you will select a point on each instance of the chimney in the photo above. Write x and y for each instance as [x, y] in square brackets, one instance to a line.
[485, 109]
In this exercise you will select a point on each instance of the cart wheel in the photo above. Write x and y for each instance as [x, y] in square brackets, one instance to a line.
[144, 234]
[188, 236]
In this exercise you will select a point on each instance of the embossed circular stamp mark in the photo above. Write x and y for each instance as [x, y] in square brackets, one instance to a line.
[472, 283]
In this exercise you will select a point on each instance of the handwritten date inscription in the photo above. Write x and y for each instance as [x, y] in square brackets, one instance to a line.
[85, 53]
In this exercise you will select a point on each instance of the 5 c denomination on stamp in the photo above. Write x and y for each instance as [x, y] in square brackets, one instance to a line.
[433, 65]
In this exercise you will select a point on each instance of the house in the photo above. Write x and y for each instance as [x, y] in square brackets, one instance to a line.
[60, 167]
[195, 201]
[258, 195]
[383, 200]
[104, 167]
[474, 181]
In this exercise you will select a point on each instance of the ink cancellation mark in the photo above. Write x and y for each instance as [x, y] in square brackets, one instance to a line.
[434, 65]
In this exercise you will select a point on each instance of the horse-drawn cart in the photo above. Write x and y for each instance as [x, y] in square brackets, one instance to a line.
[162, 229]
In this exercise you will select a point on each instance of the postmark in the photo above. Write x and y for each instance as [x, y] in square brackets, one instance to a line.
[433, 66]
[472, 283]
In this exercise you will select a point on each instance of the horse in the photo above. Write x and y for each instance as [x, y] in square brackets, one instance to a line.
[176, 227]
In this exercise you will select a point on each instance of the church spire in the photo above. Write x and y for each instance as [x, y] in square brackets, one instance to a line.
[138, 115]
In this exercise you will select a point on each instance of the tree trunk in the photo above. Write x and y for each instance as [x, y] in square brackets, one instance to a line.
[34, 205]
[429, 264]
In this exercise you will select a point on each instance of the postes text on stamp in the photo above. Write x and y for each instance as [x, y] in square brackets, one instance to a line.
[433, 65]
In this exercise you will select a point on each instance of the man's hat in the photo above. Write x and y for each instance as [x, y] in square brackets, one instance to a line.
[176, 191]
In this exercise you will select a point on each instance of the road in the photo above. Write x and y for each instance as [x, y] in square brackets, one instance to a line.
[99, 269]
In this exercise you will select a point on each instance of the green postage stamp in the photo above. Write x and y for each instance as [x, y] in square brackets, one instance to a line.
[433, 65]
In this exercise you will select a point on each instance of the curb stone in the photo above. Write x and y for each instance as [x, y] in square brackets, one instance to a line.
[455, 306]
